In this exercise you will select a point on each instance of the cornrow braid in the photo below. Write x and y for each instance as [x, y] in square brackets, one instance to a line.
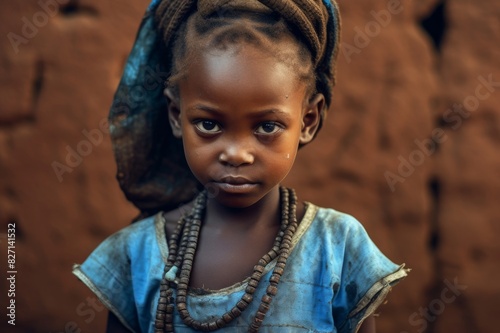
[307, 16]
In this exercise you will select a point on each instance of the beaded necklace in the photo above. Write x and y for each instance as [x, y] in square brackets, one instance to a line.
[181, 252]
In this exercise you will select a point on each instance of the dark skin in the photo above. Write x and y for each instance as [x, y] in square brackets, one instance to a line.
[242, 118]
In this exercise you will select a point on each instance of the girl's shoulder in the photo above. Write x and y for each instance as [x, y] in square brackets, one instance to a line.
[329, 222]
[140, 231]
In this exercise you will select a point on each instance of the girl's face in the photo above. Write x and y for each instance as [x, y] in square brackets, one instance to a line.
[241, 115]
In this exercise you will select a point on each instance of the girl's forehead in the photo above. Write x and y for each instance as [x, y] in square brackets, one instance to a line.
[241, 78]
[245, 66]
[280, 57]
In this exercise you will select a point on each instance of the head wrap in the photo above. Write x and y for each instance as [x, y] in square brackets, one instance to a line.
[152, 171]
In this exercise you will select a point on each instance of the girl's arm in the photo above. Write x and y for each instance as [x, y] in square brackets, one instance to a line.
[368, 325]
[114, 325]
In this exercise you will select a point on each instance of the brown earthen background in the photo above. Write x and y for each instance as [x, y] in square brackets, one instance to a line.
[442, 218]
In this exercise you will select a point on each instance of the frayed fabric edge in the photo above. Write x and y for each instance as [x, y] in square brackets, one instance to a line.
[104, 300]
[374, 297]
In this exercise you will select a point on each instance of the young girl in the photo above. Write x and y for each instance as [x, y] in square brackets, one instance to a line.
[225, 247]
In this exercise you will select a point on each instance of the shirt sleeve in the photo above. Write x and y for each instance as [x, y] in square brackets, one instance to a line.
[122, 272]
[107, 273]
[366, 278]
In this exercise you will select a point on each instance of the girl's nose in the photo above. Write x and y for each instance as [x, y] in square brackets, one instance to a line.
[236, 154]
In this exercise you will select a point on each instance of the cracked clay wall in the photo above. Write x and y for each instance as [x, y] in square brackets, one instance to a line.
[410, 147]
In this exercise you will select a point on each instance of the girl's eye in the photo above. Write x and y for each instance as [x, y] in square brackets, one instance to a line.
[268, 128]
[208, 126]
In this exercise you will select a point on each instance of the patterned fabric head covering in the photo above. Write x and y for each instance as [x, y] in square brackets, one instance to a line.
[152, 171]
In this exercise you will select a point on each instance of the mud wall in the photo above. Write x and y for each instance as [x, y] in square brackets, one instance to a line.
[410, 147]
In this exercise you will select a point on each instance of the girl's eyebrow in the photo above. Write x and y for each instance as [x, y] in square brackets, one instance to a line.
[276, 112]
[256, 114]
[199, 107]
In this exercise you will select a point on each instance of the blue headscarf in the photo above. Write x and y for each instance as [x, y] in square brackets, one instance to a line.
[152, 171]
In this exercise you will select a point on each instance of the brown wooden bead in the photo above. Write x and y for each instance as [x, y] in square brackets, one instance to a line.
[247, 297]
[196, 325]
[235, 312]
[263, 263]
[182, 286]
[263, 307]
[242, 305]
[190, 251]
[278, 269]
[184, 314]
[285, 253]
[256, 276]
[267, 258]
[227, 317]
[249, 289]
[275, 278]
[280, 265]
[188, 262]
[220, 323]
[254, 328]
[258, 268]
[260, 315]
[272, 290]
[189, 321]
[266, 299]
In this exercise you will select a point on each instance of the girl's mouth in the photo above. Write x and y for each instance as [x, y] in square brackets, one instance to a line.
[235, 184]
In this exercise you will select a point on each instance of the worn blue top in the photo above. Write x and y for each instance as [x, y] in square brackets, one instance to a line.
[334, 278]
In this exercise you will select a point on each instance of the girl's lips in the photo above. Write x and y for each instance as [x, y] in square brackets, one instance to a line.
[235, 180]
[235, 185]
[236, 188]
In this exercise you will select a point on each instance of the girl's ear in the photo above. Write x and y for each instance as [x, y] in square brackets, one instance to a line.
[174, 112]
[311, 118]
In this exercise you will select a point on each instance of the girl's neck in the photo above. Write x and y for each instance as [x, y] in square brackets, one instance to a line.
[265, 212]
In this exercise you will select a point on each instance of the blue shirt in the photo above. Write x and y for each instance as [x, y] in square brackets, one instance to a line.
[334, 278]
